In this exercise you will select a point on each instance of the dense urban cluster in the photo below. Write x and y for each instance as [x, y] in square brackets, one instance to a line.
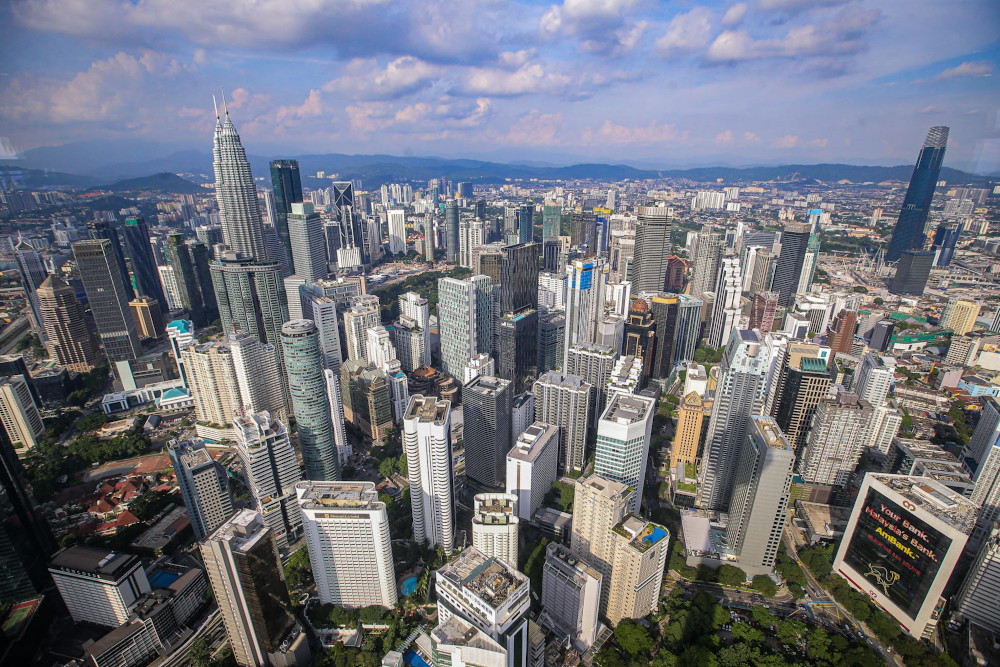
[285, 420]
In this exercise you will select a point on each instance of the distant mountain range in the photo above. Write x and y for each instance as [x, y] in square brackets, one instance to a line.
[88, 164]
[163, 182]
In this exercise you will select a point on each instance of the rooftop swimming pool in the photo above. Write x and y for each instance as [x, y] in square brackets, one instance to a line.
[414, 660]
[655, 536]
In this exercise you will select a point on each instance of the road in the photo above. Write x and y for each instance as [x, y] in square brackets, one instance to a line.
[826, 603]
[212, 629]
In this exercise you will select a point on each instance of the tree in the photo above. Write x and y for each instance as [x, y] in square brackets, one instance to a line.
[763, 585]
[200, 653]
[633, 638]
[298, 570]
[402, 466]
[730, 575]
[387, 467]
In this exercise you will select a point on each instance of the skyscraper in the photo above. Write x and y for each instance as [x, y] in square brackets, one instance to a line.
[514, 269]
[415, 306]
[465, 315]
[593, 363]
[598, 506]
[307, 387]
[32, 273]
[251, 297]
[108, 299]
[758, 511]
[707, 256]
[728, 296]
[564, 401]
[841, 336]
[350, 549]
[690, 416]
[805, 385]
[397, 230]
[486, 406]
[427, 445]
[196, 297]
[140, 252]
[908, 233]
[259, 376]
[652, 247]
[623, 434]
[245, 572]
[368, 398]
[287, 186]
[242, 229]
[495, 526]
[838, 433]
[640, 555]
[271, 471]
[532, 467]
[640, 335]
[688, 328]
[525, 222]
[585, 286]
[451, 231]
[788, 270]
[762, 311]
[203, 484]
[665, 309]
[960, 316]
[912, 272]
[571, 595]
[515, 351]
[70, 340]
[19, 415]
[740, 394]
[103, 229]
[305, 233]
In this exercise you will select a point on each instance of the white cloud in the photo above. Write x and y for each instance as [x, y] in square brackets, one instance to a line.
[654, 133]
[787, 141]
[725, 137]
[365, 79]
[797, 5]
[603, 26]
[751, 137]
[734, 15]
[687, 32]
[312, 107]
[732, 45]
[535, 129]
[980, 68]
[531, 77]
[446, 113]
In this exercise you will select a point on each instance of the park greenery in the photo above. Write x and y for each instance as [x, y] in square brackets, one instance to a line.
[692, 633]
[560, 497]
[376, 643]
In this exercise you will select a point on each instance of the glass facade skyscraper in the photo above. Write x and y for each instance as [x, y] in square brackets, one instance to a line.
[909, 231]
[147, 277]
[307, 386]
[287, 185]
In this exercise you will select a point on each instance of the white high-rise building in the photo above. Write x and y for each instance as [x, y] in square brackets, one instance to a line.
[987, 430]
[271, 471]
[470, 587]
[204, 486]
[726, 309]
[564, 401]
[410, 340]
[551, 292]
[18, 413]
[886, 421]
[293, 295]
[171, 290]
[837, 436]
[212, 380]
[585, 285]
[571, 595]
[532, 467]
[495, 526]
[322, 310]
[598, 506]
[358, 320]
[465, 321]
[623, 435]
[986, 493]
[97, 585]
[347, 532]
[758, 511]
[739, 394]
[977, 599]
[594, 364]
[874, 378]
[344, 448]
[258, 375]
[397, 230]
[379, 349]
[305, 231]
[427, 445]
[471, 234]
[414, 306]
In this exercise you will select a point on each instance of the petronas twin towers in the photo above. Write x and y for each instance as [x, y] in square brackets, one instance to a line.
[242, 229]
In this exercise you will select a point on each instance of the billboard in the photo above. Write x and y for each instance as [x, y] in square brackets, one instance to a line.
[897, 554]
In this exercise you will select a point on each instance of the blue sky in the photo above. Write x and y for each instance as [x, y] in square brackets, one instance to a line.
[672, 84]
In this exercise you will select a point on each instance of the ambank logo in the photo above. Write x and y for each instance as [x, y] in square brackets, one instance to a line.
[882, 576]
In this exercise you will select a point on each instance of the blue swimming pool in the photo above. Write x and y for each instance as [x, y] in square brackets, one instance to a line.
[409, 586]
[414, 660]
[654, 537]
[162, 579]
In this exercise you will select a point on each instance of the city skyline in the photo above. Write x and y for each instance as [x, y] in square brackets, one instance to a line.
[844, 81]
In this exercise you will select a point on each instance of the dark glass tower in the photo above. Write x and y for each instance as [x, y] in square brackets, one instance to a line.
[909, 231]
[287, 185]
[147, 277]
[788, 270]
[102, 229]
[451, 231]
[912, 272]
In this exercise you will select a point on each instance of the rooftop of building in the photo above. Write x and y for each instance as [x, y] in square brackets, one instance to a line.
[924, 450]
[192, 453]
[932, 496]
[628, 409]
[770, 432]
[567, 381]
[605, 487]
[495, 508]
[828, 521]
[641, 534]
[93, 560]
[315, 495]
[486, 577]
[560, 556]
[456, 632]
[812, 365]
[487, 385]
[529, 445]
[243, 531]
[428, 409]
